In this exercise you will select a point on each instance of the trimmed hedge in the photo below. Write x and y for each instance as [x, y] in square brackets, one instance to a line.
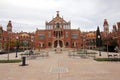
[107, 59]
[10, 61]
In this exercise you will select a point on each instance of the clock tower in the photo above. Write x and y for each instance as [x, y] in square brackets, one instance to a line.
[9, 27]
[106, 26]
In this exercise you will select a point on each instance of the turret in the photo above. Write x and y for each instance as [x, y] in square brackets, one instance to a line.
[57, 13]
[114, 28]
[1, 30]
[118, 24]
[9, 27]
[106, 26]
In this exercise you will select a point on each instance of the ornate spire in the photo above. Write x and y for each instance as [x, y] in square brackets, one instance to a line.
[106, 26]
[105, 22]
[9, 24]
[114, 28]
[57, 13]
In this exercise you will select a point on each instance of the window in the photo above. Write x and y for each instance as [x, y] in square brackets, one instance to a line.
[41, 36]
[57, 25]
[49, 27]
[49, 44]
[66, 27]
[67, 44]
[74, 44]
[25, 43]
[49, 35]
[66, 34]
[41, 45]
[74, 36]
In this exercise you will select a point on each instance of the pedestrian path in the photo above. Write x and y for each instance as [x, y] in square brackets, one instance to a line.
[59, 67]
[10, 56]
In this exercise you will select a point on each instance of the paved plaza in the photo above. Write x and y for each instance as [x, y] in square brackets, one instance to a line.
[59, 67]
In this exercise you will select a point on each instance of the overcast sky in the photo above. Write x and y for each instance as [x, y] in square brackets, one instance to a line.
[27, 15]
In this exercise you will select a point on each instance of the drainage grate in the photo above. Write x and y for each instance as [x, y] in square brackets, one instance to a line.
[59, 70]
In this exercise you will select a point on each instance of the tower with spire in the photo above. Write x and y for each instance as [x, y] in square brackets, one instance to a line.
[57, 13]
[9, 27]
[58, 34]
[106, 26]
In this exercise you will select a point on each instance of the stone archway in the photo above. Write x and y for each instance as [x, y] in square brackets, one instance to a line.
[56, 43]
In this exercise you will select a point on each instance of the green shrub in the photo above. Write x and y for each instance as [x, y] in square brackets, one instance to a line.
[107, 59]
[10, 61]
[91, 53]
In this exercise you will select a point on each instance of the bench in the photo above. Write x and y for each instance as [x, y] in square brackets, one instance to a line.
[115, 55]
[109, 55]
[112, 55]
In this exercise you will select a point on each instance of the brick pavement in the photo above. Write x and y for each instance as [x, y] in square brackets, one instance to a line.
[60, 67]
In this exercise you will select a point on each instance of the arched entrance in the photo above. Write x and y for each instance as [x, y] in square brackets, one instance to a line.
[56, 43]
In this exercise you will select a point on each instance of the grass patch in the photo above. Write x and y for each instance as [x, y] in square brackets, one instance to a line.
[24, 54]
[81, 51]
[107, 59]
[84, 51]
[10, 61]
[91, 53]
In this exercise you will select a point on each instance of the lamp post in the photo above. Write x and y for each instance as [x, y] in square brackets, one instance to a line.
[16, 46]
[107, 49]
[9, 43]
[8, 47]
[99, 44]
[32, 44]
[84, 45]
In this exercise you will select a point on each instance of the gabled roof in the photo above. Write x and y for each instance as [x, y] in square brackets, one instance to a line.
[57, 18]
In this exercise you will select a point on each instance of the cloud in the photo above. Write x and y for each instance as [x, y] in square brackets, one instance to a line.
[86, 14]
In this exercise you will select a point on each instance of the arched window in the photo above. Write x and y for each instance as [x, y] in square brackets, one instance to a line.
[74, 44]
[49, 44]
[67, 44]
[57, 25]
[41, 45]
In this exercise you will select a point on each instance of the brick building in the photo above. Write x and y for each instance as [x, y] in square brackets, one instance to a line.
[88, 40]
[5, 36]
[9, 39]
[91, 40]
[118, 24]
[26, 40]
[57, 32]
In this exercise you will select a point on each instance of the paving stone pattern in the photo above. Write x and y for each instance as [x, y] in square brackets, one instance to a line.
[59, 67]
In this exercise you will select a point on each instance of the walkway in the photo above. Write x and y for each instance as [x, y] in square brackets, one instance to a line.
[60, 67]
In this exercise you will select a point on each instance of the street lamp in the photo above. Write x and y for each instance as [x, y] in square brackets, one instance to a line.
[32, 47]
[84, 45]
[17, 46]
[9, 41]
[99, 44]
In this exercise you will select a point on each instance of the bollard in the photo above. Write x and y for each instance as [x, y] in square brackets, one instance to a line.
[24, 61]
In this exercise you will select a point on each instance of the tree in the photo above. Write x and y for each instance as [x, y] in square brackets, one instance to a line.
[98, 38]
[109, 42]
